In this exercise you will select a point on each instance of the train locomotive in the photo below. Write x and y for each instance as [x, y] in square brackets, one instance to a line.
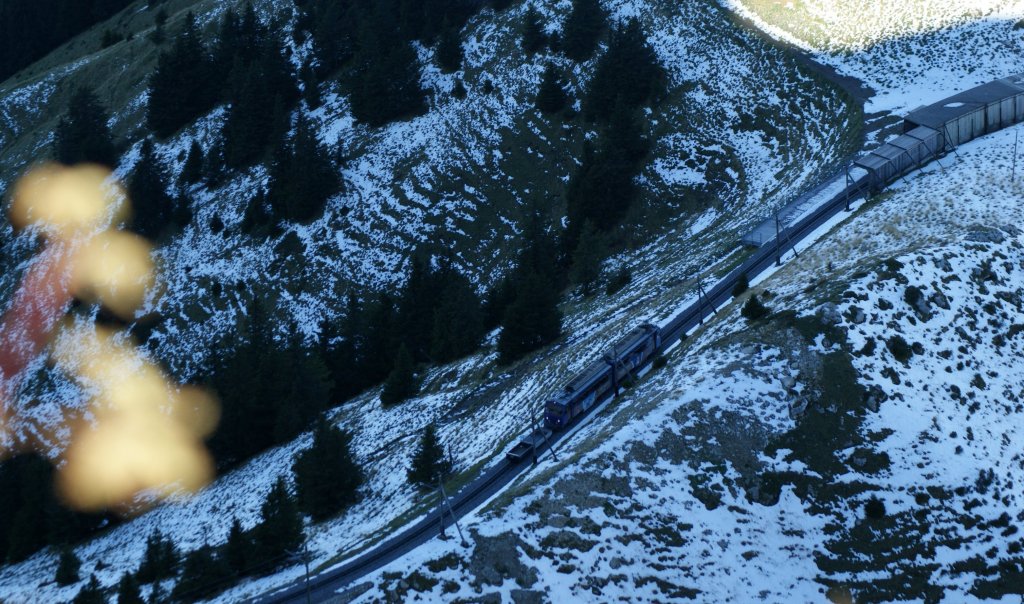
[600, 378]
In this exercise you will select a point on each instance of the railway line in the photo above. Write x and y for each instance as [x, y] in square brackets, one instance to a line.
[931, 133]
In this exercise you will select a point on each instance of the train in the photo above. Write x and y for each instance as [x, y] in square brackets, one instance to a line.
[929, 133]
[600, 378]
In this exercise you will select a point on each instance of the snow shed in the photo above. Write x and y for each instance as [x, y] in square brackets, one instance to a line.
[973, 113]
[901, 155]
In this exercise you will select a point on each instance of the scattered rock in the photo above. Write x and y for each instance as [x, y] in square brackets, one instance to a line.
[527, 596]
[940, 300]
[983, 234]
[496, 559]
[616, 563]
[829, 314]
[856, 315]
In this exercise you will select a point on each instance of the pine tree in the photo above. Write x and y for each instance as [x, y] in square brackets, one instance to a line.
[753, 309]
[401, 382]
[128, 591]
[203, 574]
[192, 171]
[67, 567]
[386, 86]
[587, 259]
[327, 478]
[449, 51]
[237, 550]
[429, 463]
[302, 177]
[531, 321]
[153, 207]
[458, 320]
[160, 561]
[91, 593]
[628, 74]
[551, 97]
[83, 134]
[280, 529]
[182, 87]
[534, 38]
[583, 29]
[416, 307]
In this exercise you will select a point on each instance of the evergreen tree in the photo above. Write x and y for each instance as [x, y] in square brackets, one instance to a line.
[429, 463]
[327, 478]
[83, 134]
[182, 87]
[401, 382]
[280, 528]
[551, 97]
[458, 320]
[237, 550]
[628, 74]
[128, 591]
[153, 207]
[753, 309]
[91, 593]
[160, 561]
[339, 345]
[202, 575]
[269, 390]
[302, 177]
[192, 171]
[583, 29]
[603, 187]
[310, 85]
[67, 567]
[534, 38]
[449, 51]
[386, 86]
[376, 356]
[416, 307]
[531, 321]
[587, 259]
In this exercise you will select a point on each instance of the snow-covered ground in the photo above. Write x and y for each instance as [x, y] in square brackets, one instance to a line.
[668, 493]
[910, 52]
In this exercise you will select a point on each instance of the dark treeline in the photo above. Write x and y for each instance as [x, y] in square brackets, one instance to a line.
[30, 29]
[31, 516]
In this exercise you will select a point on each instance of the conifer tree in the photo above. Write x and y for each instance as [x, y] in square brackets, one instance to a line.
[449, 51]
[238, 549]
[416, 307]
[401, 382]
[583, 28]
[182, 87]
[429, 462]
[192, 170]
[67, 567]
[91, 593]
[628, 74]
[340, 345]
[533, 33]
[152, 205]
[327, 478]
[83, 134]
[386, 86]
[531, 321]
[587, 259]
[551, 97]
[302, 176]
[458, 320]
[280, 529]
[128, 591]
[203, 573]
[160, 560]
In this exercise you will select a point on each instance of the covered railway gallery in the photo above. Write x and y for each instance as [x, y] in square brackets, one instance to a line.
[932, 131]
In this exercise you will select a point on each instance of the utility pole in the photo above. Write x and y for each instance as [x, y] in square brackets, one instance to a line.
[444, 498]
[1013, 173]
[778, 242]
[305, 558]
